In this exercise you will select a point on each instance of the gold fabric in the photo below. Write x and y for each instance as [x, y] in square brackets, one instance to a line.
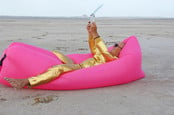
[63, 58]
[52, 73]
[97, 47]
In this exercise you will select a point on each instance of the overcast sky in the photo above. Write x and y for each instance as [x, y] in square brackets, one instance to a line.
[68, 8]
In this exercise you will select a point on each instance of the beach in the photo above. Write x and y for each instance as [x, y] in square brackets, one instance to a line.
[152, 95]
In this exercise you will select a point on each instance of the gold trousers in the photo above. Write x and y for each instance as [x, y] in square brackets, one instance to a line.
[52, 73]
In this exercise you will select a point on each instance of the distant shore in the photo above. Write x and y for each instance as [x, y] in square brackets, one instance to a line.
[79, 17]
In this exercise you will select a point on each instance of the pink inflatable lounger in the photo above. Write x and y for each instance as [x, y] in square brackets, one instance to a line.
[20, 60]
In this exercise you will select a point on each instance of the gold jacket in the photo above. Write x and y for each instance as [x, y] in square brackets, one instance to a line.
[100, 56]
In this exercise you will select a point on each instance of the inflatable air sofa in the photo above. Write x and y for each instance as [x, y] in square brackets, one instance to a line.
[23, 61]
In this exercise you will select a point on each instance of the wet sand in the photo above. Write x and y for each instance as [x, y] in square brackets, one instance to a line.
[153, 95]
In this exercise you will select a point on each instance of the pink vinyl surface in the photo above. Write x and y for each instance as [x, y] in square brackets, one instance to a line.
[24, 61]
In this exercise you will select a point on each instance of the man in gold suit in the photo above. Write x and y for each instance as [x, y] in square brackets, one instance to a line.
[98, 49]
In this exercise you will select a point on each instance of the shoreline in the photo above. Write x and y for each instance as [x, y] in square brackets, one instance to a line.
[83, 17]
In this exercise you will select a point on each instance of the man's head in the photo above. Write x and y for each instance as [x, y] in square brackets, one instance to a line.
[117, 48]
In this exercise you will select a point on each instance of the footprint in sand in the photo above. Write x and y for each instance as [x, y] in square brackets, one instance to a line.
[45, 99]
[2, 99]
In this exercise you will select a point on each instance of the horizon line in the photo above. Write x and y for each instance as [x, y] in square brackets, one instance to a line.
[86, 17]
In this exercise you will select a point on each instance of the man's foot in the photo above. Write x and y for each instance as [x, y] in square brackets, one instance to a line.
[17, 83]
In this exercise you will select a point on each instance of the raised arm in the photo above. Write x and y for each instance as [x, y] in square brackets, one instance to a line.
[96, 43]
[91, 41]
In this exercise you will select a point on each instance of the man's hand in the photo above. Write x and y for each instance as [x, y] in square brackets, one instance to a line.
[92, 30]
[88, 29]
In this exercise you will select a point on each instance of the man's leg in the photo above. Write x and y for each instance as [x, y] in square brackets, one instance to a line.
[46, 77]
[65, 59]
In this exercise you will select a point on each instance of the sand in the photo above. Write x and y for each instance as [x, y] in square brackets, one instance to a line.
[153, 95]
